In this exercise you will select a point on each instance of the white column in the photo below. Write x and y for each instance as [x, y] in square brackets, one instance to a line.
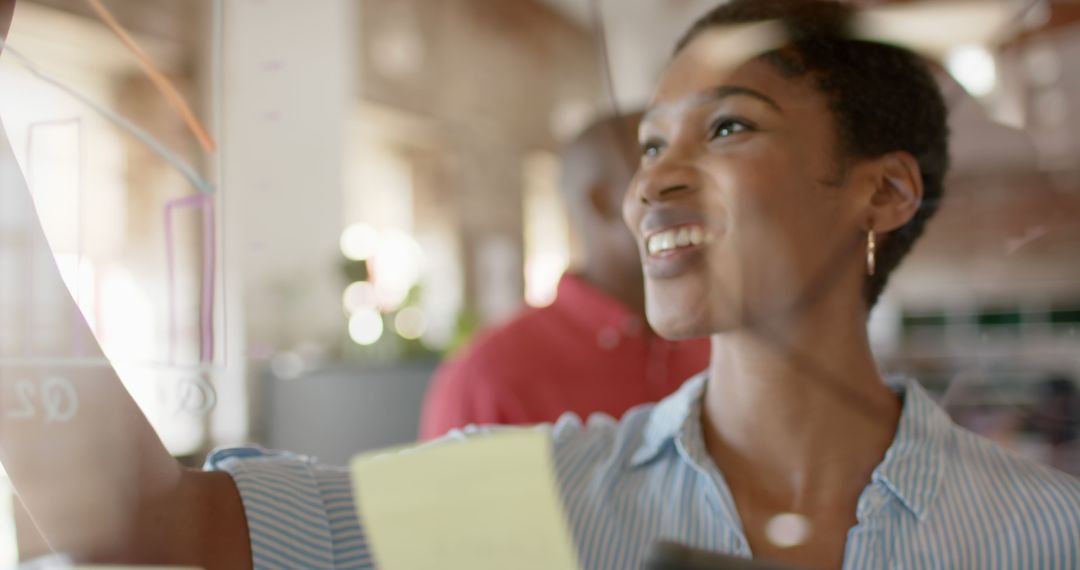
[281, 104]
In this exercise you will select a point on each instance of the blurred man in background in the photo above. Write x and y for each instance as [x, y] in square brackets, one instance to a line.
[591, 350]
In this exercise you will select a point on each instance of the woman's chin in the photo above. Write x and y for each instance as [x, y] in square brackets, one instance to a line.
[679, 325]
[684, 312]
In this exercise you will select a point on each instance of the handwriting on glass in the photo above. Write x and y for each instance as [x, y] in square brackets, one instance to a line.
[53, 399]
[196, 395]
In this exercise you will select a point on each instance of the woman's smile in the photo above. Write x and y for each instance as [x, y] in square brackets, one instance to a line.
[675, 249]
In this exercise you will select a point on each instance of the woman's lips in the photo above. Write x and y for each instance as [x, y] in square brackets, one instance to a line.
[674, 238]
[674, 249]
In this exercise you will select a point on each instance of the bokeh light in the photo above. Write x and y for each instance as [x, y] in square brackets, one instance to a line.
[358, 295]
[395, 268]
[287, 365]
[358, 241]
[366, 327]
[787, 529]
[410, 323]
[974, 68]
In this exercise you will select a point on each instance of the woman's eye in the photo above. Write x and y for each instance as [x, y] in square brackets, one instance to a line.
[650, 148]
[727, 128]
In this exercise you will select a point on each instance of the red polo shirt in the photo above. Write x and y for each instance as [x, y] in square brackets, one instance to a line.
[585, 353]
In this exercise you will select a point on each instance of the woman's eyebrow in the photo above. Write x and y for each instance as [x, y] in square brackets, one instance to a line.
[714, 94]
[725, 91]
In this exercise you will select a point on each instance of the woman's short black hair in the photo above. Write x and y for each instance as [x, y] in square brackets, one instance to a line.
[883, 99]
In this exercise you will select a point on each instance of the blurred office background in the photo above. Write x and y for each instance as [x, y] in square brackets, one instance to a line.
[387, 184]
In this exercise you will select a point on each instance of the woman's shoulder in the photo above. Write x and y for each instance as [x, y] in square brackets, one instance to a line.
[984, 475]
[1005, 468]
[642, 429]
[600, 432]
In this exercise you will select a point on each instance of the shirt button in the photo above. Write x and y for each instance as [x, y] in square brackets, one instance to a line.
[608, 338]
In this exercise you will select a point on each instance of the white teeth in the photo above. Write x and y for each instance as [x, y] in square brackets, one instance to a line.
[696, 235]
[682, 239]
[671, 239]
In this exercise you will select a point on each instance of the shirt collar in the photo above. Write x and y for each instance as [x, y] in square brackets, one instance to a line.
[593, 309]
[912, 467]
[669, 418]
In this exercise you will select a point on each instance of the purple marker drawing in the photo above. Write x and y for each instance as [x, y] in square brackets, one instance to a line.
[205, 204]
[77, 340]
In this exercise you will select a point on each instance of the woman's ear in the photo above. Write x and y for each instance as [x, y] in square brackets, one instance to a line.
[897, 192]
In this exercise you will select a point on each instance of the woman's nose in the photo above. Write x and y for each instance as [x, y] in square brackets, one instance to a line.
[664, 180]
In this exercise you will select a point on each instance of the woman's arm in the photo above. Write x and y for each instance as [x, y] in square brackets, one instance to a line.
[92, 473]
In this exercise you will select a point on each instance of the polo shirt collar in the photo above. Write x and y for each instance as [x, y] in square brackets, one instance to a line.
[912, 467]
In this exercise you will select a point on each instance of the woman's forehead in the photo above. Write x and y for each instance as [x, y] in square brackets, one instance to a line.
[691, 83]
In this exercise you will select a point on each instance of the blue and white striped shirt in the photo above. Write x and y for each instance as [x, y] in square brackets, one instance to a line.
[941, 498]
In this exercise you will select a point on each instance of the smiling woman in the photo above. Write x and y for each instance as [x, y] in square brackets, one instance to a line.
[781, 135]
[809, 172]
[775, 196]
[780, 163]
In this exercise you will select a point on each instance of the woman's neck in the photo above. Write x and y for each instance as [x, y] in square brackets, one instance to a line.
[803, 416]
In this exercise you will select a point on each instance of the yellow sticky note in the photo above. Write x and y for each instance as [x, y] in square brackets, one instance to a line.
[486, 502]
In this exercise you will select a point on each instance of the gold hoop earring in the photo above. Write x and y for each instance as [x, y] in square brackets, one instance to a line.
[871, 253]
